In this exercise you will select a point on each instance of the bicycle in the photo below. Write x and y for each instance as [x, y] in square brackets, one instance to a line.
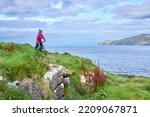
[43, 48]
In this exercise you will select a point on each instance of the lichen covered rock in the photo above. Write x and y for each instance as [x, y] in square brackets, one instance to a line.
[29, 87]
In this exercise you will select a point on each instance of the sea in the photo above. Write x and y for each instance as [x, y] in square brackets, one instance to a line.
[116, 59]
[125, 60]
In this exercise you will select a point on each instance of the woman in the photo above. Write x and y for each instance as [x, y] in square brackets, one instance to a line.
[39, 40]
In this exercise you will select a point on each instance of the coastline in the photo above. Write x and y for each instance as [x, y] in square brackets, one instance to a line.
[20, 61]
[128, 60]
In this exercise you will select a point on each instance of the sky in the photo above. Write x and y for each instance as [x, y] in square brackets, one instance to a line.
[73, 22]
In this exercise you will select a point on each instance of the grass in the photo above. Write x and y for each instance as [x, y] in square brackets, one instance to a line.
[117, 87]
[23, 61]
[18, 61]
[7, 93]
[126, 88]
[69, 61]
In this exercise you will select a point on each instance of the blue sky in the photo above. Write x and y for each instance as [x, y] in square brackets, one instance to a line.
[73, 22]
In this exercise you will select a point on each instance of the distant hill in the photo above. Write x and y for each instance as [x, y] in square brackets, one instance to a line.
[142, 39]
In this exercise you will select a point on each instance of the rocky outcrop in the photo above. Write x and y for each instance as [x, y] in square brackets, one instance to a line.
[56, 77]
[66, 81]
[29, 87]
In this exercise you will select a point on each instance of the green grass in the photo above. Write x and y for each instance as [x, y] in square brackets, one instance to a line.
[18, 61]
[127, 88]
[23, 61]
[118, 87]
[7, 93]
[69, 61]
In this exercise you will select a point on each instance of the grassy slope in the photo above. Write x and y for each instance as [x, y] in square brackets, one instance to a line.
[126, 87]
[24, 62]
[18, 62]
[117, 86]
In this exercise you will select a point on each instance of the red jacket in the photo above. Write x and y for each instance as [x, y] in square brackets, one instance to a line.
[40, 37]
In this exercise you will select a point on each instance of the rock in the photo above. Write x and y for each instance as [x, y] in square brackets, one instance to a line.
[17, 83]
[49, 75]
[56, 81]
[1, 78]
[57, 68]
[55, 71]
[56, 77]
[66, 81]
[45, 92]
[30, 88]
[60, 92]
[12, 85]
[55, 74]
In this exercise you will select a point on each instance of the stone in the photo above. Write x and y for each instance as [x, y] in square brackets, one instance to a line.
[1, 78]
[29, 87]
[17, 83]
[66, 81]
[57, 77]
[57, 68]
[49, 75]
[60, 92]
[12, 85]
[45, 92]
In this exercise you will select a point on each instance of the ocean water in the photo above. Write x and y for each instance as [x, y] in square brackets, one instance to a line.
[130, 60]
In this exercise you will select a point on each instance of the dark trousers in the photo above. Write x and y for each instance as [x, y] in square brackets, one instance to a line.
[39, 45]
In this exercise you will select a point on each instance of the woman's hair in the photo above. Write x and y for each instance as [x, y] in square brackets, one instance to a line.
[40, 30]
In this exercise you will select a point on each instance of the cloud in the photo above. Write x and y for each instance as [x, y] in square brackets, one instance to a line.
[52, 8]
[136, 11]
[6, 3]
[7, 18]
[21, 24]
[58, 5]
[37, 8]
[47, 20]
[64, 20]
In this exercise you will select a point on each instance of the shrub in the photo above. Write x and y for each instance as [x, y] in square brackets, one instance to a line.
[96, 78]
